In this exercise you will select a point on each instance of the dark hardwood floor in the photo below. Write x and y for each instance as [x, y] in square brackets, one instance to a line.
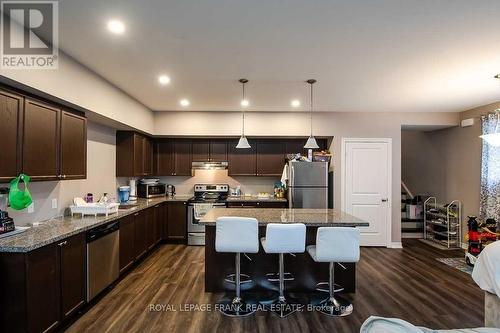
[408, 284]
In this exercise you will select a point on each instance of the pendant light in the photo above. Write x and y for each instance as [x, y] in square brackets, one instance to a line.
[493, 139]
[311, 142]
[243, 142]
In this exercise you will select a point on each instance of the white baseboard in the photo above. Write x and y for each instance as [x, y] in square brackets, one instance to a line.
[395, 245]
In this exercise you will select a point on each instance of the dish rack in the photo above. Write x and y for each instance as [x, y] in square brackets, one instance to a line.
[95, 209]
[443, 223]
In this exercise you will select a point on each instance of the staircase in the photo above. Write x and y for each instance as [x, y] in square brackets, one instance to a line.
[410, 227]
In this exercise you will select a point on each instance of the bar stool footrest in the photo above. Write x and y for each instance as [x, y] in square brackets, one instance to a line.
[323, 286]
[275, 277]
[244, 278]
[335, 307]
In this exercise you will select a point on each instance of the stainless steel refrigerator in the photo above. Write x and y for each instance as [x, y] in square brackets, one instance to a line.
[307, 184]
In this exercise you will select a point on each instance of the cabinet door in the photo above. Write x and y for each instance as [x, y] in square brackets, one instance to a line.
[177, 221]
[218, 150]
[159, 216]
[242, 162]
[138, 155]
[73, 146]
[270, 157]
[147, 156]
[164, 157]
[140, 245]
[43, 288]
[150, 227]
[41, 140]
[127, 241]
[200, 150]
[182, 157]
[73, 274]
[11, 112]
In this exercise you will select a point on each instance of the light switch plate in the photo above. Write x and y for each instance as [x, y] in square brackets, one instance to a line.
[31, 208]
[54, 203]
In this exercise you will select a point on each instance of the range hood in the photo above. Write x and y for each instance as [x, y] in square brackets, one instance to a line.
[209, 165]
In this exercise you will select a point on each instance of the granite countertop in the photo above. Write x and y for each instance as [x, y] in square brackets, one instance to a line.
[254, 199]
[58, 228]
[310, 217]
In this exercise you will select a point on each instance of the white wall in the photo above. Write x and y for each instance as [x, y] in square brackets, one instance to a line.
[76, 84]
[101, 177]
[336, 124]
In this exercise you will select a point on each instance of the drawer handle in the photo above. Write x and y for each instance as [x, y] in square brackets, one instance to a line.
[63, 243]
[136, 214]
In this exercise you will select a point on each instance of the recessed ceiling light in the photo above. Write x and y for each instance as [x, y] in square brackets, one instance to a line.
[295, 103]
[116, 27]
[163, 80]
[184, 102]
[245, 103]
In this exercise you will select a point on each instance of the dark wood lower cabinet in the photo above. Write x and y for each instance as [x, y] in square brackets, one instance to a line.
[175, 225]
[127, 242]
[42, 288]
[73, 274]
[140, 239]
[151, 227]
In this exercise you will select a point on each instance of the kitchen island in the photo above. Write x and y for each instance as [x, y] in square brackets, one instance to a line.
[305, 271]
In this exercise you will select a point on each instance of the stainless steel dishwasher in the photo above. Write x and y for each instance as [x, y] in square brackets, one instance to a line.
[103, 254]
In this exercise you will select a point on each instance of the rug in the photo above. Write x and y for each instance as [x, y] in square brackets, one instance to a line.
[457, 263]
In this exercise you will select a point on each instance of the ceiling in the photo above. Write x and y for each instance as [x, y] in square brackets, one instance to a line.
[380, 55]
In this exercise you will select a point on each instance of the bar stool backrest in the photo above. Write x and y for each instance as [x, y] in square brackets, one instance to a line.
[285, 238]
[337, 244]
[237, 235]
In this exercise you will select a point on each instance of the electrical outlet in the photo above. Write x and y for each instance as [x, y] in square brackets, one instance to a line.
[31, 208]
[54, 203]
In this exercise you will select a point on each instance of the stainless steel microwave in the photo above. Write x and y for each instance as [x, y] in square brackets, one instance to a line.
[151, 190]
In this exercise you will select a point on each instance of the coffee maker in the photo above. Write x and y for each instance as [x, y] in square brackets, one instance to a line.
[6, 222]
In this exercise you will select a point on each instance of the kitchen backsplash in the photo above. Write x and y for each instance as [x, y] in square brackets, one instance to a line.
[184, 185]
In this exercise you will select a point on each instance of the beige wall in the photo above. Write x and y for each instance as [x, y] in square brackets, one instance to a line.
[101, 177]
[336, 124]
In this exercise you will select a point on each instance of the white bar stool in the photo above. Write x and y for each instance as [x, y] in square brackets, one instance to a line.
[236, 235]
[281, 239]
[335, 245]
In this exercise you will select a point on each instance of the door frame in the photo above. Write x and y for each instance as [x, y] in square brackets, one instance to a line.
[343, 151]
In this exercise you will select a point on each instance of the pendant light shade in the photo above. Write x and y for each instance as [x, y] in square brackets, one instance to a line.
[493, 139]
[243, 142]
[311, 142]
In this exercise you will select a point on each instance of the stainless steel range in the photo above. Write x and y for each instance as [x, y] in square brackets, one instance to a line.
[206, 197]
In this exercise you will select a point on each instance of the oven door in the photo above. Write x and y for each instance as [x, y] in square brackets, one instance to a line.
[194, 221]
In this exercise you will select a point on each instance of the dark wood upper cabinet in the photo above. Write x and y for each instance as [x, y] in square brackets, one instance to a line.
[41, 140]
[242, 162]
[176, 221]
[73, 146]
[270, 157]
[11, 113]
[182, 157]
[164, 157]
[218, 150]
[148, 156]
[43, 289]
[73, 274]
[200, 150]
[134, 154]
[127, 241]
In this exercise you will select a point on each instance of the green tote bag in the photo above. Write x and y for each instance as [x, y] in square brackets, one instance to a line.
[20, 199]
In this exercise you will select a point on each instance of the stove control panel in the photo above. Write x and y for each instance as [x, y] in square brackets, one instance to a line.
[219, 188]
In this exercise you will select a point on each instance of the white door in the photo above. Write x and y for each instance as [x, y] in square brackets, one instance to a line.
[366, 187]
